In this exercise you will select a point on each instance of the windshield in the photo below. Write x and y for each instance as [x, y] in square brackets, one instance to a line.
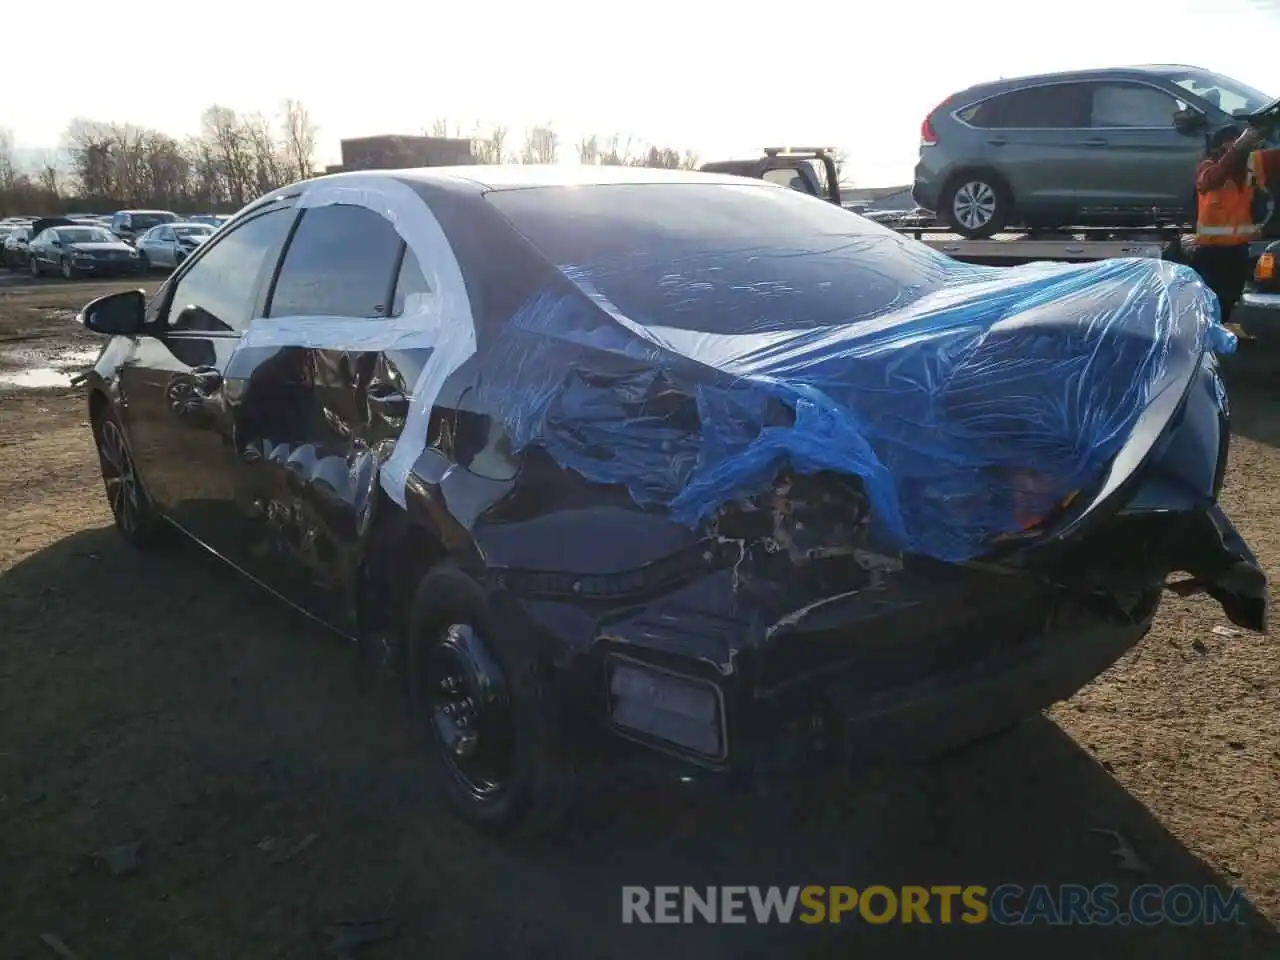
[145, 221]
[1230, 96]
[718, 258]
[193, 230]
[85, 235]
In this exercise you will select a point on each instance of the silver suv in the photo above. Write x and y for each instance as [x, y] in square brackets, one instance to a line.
[1115, 147]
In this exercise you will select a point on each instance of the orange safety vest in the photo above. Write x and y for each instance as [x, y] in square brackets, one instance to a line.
[1224, 217]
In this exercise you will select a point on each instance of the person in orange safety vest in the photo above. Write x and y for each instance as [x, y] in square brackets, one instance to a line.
[1224, 215]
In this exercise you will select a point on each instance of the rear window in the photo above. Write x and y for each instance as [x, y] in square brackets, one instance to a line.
[145, 221]
[718, 258]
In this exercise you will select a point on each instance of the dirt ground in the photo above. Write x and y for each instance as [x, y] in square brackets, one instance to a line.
[281, 808]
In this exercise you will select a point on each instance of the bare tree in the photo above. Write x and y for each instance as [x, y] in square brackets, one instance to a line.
[270, 168]
[206, 184]
[489, 145]
[619, 154]
[8, 166]
[238, 156]
[299, 140]
[689, 160]
[441, 126]
[232, 152]
[49, 176]
[662, 157]
[541, 145]
[168, 170]
[89, 143]
[128, 159]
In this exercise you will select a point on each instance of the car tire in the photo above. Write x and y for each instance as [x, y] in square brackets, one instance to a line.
[135, 515]
[67, 272]
[33, 267]
[468, 670]
[976, 205]
[144, 265]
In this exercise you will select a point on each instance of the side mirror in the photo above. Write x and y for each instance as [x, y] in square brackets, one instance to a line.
[117, 314]
[1188, 121]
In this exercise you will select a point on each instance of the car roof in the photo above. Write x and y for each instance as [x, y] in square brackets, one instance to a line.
[518, 176]
[1098, 73]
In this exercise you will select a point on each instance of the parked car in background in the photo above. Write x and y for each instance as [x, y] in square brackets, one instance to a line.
[1113, 147]
[167, 245]
[13, 248]
[16, 246]
[80, 250]
[1258, 312]
[214, 220]
[130, 224]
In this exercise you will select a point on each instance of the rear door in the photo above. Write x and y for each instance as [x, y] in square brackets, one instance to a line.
[1033, 139]
[1143, 161]
[313, 418]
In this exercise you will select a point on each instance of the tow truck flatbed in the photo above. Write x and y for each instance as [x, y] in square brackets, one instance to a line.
[1075, 245]
[813, 170]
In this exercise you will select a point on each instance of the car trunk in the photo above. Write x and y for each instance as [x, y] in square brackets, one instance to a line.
[1152, 523]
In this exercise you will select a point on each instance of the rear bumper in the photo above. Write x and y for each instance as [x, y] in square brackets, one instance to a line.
[822, 729]
[1258, 314]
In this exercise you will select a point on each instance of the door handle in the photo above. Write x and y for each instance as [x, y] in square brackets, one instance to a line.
[1093, 142]
[206, 379]
[997, 141]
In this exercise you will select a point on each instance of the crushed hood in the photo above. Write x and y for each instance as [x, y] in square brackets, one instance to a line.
[965, 398]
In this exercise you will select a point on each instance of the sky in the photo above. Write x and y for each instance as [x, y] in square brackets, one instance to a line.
[721, 79]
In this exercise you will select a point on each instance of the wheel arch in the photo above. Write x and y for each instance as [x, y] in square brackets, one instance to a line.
[402, 546]
[975, 170]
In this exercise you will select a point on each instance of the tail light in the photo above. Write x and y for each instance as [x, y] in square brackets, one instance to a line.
[1265, 269]
[928, 136]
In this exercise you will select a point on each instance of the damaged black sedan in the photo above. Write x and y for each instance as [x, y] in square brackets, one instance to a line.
[622, 468]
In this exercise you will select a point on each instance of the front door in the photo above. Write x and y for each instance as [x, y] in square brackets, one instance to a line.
[1145, 163]
[178, 383]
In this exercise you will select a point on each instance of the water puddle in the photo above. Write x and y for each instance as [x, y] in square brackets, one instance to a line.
[58, 372]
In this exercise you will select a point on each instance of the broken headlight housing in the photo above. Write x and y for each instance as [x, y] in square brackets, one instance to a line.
[666, 708]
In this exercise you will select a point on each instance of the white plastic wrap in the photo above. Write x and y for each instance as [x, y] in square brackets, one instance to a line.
[440, 320]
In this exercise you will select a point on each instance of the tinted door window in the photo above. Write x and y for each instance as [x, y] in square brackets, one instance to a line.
[1132, 105]
[1057, 105]
[341, 263]
[217, 293]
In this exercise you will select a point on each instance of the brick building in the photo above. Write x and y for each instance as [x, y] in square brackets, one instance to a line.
[393, 152]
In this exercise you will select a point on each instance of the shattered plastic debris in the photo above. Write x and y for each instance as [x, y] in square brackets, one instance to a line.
[971, 401]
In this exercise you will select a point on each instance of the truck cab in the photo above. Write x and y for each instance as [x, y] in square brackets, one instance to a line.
[810, 170]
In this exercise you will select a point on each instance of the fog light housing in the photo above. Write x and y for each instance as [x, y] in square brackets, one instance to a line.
[1265, 268]
[660, 705]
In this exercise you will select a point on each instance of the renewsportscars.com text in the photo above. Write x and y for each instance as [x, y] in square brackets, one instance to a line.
[1008, 904]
